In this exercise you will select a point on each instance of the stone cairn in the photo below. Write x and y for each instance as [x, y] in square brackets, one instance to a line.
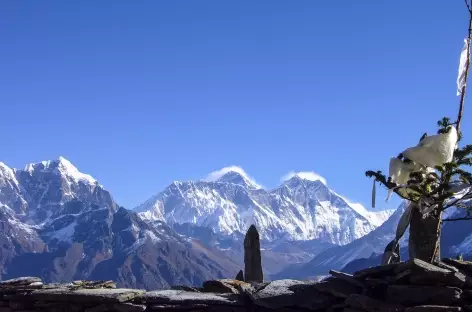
[252, 256]
[411, 286]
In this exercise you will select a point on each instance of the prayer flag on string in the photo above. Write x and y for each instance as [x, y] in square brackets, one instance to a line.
[462, 67]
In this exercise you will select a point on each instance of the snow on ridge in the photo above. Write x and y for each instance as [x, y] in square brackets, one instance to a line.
[4, 167]
[377, 218]
[305, 175]
[66, 233]
[7, 172]
[70, 170]
[218, 174]
[65, 167]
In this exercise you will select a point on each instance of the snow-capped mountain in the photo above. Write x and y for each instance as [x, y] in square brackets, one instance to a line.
[456, 238]
[66, 223]
[339, 256]
[299, 209]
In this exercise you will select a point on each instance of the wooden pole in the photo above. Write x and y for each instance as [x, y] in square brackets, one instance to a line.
[435, 255]
[461, 104]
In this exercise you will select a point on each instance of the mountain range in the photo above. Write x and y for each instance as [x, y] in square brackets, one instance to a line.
[70, 226]
[297, 210]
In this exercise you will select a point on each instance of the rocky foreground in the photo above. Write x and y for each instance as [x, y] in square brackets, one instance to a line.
[407, 286]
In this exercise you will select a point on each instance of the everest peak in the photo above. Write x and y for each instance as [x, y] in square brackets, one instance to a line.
[232, 174]
[304, 175]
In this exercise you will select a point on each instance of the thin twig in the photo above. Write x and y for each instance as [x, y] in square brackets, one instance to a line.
[454, 202]
[468, 6]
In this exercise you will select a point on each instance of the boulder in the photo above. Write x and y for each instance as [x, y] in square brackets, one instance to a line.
[101, 295]
[346, 277]
[463, 266]
[287, 294]
[21, 281]
[444, 265]
[219, 286]
[179, 297]
[423, 273]
[185, 288]
[377, 271]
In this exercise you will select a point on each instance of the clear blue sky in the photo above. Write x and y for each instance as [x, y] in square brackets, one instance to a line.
[141, 93]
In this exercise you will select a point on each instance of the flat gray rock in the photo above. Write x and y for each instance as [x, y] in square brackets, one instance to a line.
[185, 288]
[176, 297]
[277, 288]
[377, 271]
[346, 277]
[23, 281]
[424, 273]
[219, 286]
[444, 265]
[285, 294]
[463, 266]
[417, 265]
[102, 295]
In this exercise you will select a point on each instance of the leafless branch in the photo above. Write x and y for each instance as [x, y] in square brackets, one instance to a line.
[468, 6]
[467, 195]
[396, 191]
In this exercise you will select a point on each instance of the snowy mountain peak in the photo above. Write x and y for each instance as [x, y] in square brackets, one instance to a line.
[232, 174]
[239, 179]
[304, 175]
[63, 167]
[303, 208]
[67, 168]
[6, 171]
[296, 181]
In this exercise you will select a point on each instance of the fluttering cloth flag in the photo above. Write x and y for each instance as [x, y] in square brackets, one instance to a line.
[434, 150]
[373, 195]
[399, 173]
[462, 67]
[392, 248]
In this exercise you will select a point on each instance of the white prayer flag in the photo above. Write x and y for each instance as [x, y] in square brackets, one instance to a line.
[462, 67]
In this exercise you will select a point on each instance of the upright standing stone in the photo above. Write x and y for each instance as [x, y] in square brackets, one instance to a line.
[252, 256]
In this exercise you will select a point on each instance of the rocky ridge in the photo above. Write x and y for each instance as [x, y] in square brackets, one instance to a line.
[71, 228]
[410, 286]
